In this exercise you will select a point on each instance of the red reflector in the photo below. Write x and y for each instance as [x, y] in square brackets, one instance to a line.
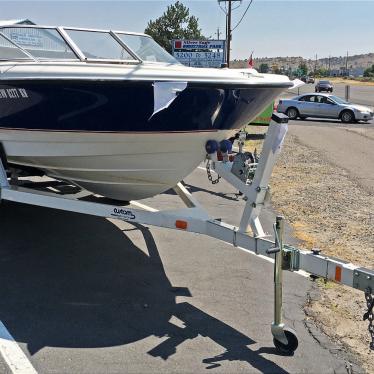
[338, 274]
[220, 157]
[181, 225]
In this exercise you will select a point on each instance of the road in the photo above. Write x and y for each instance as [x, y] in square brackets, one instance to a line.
[82, 294]
[358, 94]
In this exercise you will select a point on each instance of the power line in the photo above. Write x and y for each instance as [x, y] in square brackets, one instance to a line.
[237, 6]
[223, 10]
[241, 19]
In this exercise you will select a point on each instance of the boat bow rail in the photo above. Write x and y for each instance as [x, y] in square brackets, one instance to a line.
[194, 218]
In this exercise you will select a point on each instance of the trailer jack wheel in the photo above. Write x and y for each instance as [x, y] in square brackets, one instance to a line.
[284, 338]
[292, 343]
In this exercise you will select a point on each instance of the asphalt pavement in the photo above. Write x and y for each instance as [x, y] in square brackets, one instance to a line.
[81, 294]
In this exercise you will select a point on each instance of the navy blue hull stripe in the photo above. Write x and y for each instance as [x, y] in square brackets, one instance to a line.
[125, 107]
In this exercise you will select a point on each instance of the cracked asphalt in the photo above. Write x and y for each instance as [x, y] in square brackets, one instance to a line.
[83, 294]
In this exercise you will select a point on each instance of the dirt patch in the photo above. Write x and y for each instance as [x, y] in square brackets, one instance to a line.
[351, 82]
[329, 211]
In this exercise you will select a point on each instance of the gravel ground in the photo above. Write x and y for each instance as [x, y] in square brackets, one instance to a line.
[330, 211]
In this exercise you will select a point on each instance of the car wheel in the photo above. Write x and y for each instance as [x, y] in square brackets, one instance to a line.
[292, 113]
[347, 116]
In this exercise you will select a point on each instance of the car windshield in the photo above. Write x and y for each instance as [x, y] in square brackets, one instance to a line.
[324, 82]
[339, 100]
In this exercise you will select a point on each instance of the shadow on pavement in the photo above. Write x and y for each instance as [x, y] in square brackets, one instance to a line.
[75, 281]
[227, 196]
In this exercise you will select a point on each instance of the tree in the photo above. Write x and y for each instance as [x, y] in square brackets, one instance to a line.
[369, 72]
[303, 68]
[175, 23]
[264, 68]
[275, 69]
[322, 72]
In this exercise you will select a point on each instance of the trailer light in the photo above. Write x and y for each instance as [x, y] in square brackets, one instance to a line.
[338, 273]
[181, 224]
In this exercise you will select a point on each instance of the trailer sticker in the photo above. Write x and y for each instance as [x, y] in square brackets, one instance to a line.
[123, 214]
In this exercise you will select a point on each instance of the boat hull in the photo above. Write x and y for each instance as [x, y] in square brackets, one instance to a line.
[119, 166]
[102, 136]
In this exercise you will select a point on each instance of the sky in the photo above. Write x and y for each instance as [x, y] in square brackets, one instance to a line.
[270, 28]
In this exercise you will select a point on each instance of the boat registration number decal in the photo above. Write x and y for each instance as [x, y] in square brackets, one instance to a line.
[123, 214]
[13, 93]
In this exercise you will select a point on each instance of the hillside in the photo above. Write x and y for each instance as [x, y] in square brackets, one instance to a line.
[356, 63]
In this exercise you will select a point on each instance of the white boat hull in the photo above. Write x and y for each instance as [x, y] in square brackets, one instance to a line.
[123, 166]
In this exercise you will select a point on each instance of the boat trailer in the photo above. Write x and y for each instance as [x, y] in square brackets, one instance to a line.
[249, 236]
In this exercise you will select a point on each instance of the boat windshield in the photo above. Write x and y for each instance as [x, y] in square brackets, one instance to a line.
[99, 45]
[59, 43]
[41, 43]
[9, 51]
[146, 48]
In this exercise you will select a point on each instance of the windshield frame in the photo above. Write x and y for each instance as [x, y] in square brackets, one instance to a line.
[63, 32]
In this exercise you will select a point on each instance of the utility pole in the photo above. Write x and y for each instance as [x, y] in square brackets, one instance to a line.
[346, 65]
[228, 35]
[228, 28]
[329, 65]
[218, 33]
[315, 66]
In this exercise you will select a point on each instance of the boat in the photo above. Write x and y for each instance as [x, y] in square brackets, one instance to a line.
[112, 112]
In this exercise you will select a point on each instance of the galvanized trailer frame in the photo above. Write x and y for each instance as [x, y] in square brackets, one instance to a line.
[195, 219]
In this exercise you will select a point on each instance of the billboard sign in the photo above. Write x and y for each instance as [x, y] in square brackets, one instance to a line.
[200, 53]
[27, 40]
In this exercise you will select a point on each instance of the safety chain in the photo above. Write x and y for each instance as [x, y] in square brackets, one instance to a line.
[210, 177]
[369, 315]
